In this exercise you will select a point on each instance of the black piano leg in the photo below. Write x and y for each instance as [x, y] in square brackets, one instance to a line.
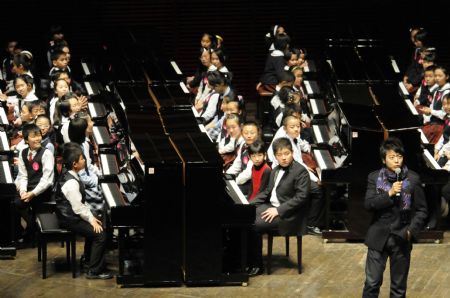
[121, 250]
[244, 236]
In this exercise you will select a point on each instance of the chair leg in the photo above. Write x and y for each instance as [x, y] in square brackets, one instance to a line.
[287, 246]
[44, 259]
[299, 254]
[269, 253]
[67, 251]
[39, 250]
[74, 257]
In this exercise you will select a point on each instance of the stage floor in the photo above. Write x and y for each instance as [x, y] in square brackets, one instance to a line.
[329, 270]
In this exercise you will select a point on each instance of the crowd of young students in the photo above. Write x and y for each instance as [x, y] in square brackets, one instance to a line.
[50, 134]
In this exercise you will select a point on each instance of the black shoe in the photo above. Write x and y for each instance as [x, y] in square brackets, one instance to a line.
[314, 231]
[254, 271]
[102, 275]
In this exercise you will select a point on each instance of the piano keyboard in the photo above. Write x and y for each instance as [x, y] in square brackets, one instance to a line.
[93, 88]
[235, 192]
[324, 159]
[312, 87]
[176, 68]
[411, 107]
[185, 89]
[101, 135]
[430, 160]
[310, 66]
[423, 138]
[113, 196]
[108, 163]
[395, 66]
[3, 119]
[5, 173]
[85, 68]
[317, 106]
[403, 89]
[4, 144]
[97, 110]
[320, 133]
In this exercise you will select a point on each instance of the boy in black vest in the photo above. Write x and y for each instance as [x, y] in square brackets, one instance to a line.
[75, 215]
[35, 177]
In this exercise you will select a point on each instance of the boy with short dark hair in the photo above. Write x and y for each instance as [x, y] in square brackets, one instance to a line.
[36, 173]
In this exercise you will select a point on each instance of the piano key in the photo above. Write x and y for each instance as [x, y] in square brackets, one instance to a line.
[430, 160]
[109, 164]
[89, 88]
[5, 172]
[185, 89]
[92, 110]
[403, 89]
[85, 68]
[395, 66]
[324, 159]
[235, 192]
[308, 87]
[317, 133]
[108, 195]
[3, 119]
[4, 144]
[175, 67]
[423, 138]
[196, 114]
[314, 108]
[411, 107]
[101, 135]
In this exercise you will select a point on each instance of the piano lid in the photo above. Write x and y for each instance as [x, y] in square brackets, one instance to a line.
[136, 96]
[155, 149]
[346, 64]
[378, 64]
[173, 97]
[355, 94]
[179, 119]
[196, 148]
[360, 117]
[393, 111]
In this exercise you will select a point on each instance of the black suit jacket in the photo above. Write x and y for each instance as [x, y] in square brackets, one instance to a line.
[387, 214]
[293, 194]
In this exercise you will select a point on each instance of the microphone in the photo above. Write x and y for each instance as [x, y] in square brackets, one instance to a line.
[397, 172]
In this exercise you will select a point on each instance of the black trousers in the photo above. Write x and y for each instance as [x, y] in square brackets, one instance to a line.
[316, 215]
[94, 246]
[27, 211]
[399, 252]
[255, 243]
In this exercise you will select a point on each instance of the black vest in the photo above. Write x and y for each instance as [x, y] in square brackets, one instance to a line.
[64, 209]
[34, 167]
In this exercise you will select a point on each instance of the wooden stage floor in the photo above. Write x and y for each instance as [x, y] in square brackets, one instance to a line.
[329, 270]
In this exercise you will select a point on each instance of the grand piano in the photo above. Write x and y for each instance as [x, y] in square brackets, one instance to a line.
[367, 106]
[172, 232]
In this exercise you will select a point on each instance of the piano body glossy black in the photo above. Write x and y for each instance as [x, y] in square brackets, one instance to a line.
[370, 107]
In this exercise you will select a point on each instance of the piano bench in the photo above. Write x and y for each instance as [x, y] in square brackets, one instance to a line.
[49, 231]
[275, 233]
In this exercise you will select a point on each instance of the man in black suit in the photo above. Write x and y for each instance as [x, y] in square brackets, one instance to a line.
[398, 202]
[284, 204]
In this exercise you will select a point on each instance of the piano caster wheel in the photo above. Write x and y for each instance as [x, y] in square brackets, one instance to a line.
[325, 241]
[244, 284]
[119, 286]
[437, 241]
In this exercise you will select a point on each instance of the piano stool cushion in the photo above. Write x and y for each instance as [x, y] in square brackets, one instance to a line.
[48, 223]
[266, 90]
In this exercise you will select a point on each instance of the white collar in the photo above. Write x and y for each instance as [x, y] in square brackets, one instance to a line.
[276, 53]
[445, 87]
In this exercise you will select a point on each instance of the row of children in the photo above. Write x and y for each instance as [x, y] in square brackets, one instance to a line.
[222, 110]
[50, 132]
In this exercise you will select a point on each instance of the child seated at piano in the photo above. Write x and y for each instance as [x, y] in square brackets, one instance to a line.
[283, 205]
[260, 170]
[242, 165]
[231, 104]
[61, 88]
[65, 108]
[291, 58]
[220, 83]
[442, 147]
[16, 134]
[301, 153]
[218, 59]
[74, 86]
[75, 215]
[204, 89]
[207, 42]
[35, 175]
[59, 61]
[286, 78]
[297, 71]
[232, 141]
[435, 125]
[424, 94]
[78, 130]
[48, 138]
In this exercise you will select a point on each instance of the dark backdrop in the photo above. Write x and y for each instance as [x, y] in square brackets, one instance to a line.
[242, 24]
